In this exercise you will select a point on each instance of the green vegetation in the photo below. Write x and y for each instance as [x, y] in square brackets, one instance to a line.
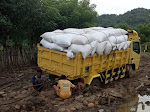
[144, 32]
[143, 46]
[23, 21]
[123, 26]
[136, 19]
[132, 18]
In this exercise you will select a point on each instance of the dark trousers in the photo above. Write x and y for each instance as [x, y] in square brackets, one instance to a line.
[38, 87]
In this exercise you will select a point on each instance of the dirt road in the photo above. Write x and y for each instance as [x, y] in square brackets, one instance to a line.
[15, 96]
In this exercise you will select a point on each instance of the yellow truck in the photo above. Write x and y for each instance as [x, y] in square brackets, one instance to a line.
[93, 69]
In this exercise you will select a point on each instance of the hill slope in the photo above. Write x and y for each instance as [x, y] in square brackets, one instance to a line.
[132, 18]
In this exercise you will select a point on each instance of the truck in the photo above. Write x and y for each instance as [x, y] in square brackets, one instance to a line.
[95, 69]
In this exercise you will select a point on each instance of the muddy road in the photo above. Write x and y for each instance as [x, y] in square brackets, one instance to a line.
[17, 96]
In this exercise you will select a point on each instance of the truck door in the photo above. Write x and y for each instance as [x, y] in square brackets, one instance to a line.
[135, 54]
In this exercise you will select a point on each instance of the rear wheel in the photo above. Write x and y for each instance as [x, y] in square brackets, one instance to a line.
[52, 79]
[95, 84]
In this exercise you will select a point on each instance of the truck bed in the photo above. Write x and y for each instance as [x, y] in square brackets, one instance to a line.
[55, 62]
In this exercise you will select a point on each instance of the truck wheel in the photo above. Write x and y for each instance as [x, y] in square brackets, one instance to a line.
[52, 79]
[127, 73]
[95, 83]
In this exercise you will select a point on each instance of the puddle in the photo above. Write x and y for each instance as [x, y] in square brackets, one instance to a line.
[137, 104]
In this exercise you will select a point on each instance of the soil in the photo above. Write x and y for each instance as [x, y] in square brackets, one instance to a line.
[17, 96]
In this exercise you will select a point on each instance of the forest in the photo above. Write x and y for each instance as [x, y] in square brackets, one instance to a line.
[22, 22]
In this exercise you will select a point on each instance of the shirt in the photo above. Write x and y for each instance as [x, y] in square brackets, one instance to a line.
[65, 88]
[39, 79]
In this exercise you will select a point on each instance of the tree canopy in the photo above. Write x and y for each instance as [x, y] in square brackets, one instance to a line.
[144, 32]
[136, 19]
[132, 18]
[23, 21]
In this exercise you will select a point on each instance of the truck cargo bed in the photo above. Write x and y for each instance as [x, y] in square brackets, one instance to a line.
[55, 62]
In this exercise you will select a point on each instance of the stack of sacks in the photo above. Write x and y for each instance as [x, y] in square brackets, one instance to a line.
[87, 41]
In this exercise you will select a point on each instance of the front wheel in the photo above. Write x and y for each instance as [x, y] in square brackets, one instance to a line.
[127, 73]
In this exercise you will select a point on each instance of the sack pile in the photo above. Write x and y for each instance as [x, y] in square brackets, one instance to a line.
[87, 41]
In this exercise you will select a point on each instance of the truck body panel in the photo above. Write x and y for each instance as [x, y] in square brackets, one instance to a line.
[55, 62]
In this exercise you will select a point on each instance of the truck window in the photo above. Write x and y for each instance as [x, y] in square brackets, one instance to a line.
[136, 47]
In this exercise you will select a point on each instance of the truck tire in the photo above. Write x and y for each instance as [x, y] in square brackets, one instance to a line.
[95, 83]
[127, 73]
[52, 79]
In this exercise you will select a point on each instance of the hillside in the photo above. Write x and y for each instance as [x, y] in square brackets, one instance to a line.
[132, 18]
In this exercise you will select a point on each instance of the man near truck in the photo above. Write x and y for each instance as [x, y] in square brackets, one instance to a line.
[38, 81]
[79, 83]
[63, 89]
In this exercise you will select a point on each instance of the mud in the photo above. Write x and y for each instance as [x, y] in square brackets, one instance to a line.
[16, 96]
[139, 103]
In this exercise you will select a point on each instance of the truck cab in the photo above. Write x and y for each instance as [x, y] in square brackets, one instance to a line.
[135, 53]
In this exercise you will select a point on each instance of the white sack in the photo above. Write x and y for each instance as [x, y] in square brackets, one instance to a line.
[74, 31]
[100, 47]
[110, 27]
[69, 55]
[90, 32]
[100, 33]
[99, 36]
[47, 35]
[80, 39]
[65, 50]
[86, 30]
[84, 49]
[127, 44]
[87, 41]
[49, 45]
[63, 40]
[117, 32]
[109, 46]
[45, 43]
[93, 45]
[121, 45]
[116, 47]
[118, 39]
[57, 31]
[66, 40]
[97, 28]
[89, 38]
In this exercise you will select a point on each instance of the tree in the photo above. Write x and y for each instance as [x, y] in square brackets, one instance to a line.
[22, 22]
[132, 18]
[144, 32]
[76, 14]
[5, 28]
[83, 15]
[124, 26]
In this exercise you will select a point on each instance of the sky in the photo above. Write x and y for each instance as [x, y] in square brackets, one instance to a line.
[119, 6]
